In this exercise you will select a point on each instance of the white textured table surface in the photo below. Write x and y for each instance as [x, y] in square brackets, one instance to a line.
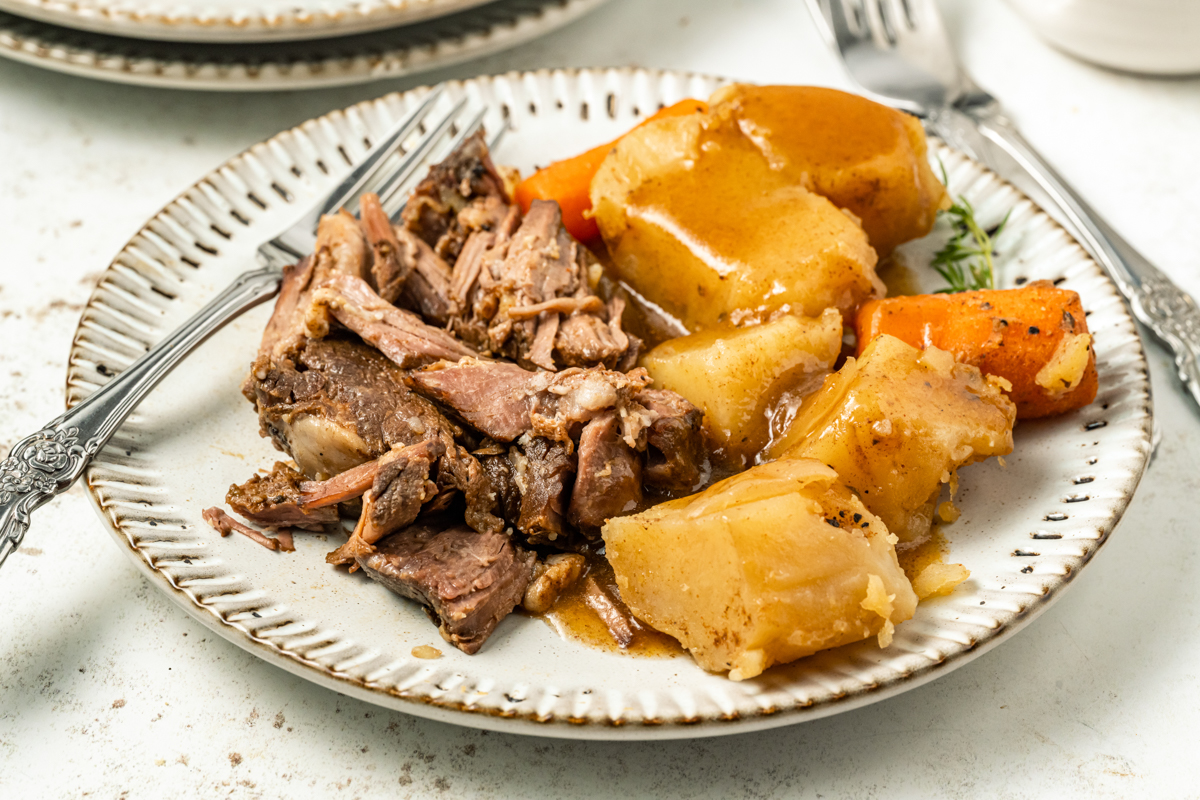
[109, 690]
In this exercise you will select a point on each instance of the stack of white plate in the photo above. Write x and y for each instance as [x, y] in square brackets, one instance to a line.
[260, 45]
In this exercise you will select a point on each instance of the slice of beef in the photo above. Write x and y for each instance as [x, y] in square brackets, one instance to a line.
[504, 402]
[405, 271]
[469, 581]
[461, 194]
[400, 335]
[676, 460]
[494, 397]
[472, 287]
[609, 479]
[275, 501]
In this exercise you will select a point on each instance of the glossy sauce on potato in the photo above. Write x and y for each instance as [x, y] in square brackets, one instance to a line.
[697, 222]
[863, 156]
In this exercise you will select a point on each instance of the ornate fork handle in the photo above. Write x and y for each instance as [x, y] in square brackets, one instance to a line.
[45, 464]
[1169, 312]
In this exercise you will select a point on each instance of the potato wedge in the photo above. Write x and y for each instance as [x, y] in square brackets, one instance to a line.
[896, 424]
[863, 156]
[744, 379]
[763, 568]
[698, 223]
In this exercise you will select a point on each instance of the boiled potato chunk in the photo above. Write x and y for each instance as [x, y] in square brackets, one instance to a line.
[863, 156]
[763, 568]
[896, 424]
[697, 222]
[743, 379]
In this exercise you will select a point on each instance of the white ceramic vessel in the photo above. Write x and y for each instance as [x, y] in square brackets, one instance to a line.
[277, 66]
[1026, 531]
[233, 20]
[1150, 36]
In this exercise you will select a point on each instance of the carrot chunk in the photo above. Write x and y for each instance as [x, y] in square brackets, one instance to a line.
[1035, 337]
[569, 181]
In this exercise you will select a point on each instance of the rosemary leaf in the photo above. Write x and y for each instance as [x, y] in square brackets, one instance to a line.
[966, 261]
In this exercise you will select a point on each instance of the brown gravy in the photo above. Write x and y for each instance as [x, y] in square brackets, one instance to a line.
[931, 551]
[573, 619]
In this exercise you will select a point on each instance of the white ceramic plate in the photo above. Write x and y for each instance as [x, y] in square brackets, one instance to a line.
[275, 66]
[233, 20]
[1026, 531]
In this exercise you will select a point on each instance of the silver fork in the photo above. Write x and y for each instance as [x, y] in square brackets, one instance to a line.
[45, 464]
[899, 54]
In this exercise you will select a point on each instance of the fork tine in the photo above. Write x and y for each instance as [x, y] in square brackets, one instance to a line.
[389, 193]
[879, 23]
[838, 22]
[369, 169]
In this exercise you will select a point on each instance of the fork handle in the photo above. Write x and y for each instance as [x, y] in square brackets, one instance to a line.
[44, 465]
[1170, 313]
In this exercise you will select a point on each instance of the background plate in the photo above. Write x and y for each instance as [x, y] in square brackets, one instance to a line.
[288, 65]
[234, 20]
[1025, 532]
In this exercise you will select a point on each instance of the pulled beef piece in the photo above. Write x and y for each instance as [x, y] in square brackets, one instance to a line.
[275, 500]
[334, 404]
[401, 487]
[428, 289]
[504, 402]
[341, 488]
[609, 479]
[389, 270]
[526, 296]
[400, 335]
[285, 328]
[461, 194]
[505, 494]
[543, 472]
[586, 339]
[675, 455]
[225, 525]
[620, 623]
[340, 250]
[405, 271]
[469, 581]
[338, 406]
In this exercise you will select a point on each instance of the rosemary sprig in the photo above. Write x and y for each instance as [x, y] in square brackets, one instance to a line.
[966, 260]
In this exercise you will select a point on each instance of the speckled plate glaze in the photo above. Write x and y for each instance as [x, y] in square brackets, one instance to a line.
[1026, 531]
[275, 66]
[233, 20]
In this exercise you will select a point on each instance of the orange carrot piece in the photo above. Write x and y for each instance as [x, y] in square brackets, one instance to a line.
[1031, 337]
[569, 181]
